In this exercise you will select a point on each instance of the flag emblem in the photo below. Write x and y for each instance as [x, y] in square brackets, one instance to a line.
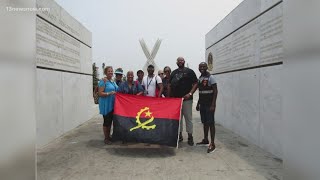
[144, 125]
[145, 119]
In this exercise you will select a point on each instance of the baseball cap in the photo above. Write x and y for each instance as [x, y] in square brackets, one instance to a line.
[119, 71]
[139, 71]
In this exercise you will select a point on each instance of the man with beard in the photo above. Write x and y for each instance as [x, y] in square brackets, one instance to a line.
[208, 92]
[182, 84]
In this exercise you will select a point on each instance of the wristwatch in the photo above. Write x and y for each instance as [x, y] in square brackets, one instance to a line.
[190, 93]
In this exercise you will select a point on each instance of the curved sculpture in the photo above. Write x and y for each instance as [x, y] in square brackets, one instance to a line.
[150, 55]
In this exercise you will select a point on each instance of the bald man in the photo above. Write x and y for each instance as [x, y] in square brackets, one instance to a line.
[182, 84]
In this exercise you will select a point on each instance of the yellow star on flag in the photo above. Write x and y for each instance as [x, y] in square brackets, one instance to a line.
[148, 114]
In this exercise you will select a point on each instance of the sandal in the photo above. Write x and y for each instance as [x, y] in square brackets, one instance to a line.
[204, 142]
[107, 141]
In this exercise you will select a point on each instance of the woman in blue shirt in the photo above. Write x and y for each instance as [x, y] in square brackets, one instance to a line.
[107, 90]
[130, 86]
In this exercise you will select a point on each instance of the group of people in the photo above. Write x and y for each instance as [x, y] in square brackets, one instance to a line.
[180, 83]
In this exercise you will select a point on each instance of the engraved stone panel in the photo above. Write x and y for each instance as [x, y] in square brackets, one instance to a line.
[257, 43]
[58, 50]
[245, 11]
[271, 36]
[61, 18]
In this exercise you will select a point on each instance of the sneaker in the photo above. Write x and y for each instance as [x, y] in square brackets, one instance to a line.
[211, 148]
[180, 137]
[190, 141]
[204, 142]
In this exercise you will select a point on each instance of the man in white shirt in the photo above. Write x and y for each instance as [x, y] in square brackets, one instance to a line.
[152, 83]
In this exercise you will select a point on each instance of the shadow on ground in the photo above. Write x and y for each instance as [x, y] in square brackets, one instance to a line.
[133, 150]
[142, 152]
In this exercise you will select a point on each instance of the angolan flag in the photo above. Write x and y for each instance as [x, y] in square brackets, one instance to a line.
[146, 119]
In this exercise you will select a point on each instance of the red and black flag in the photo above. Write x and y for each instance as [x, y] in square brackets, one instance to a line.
[146, 119]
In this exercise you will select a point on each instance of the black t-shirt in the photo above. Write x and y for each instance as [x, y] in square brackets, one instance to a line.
[181, 81]
[205, 87]
[165, 82]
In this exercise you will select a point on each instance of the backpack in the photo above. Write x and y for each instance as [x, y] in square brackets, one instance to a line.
[176, 78]
[96, 95]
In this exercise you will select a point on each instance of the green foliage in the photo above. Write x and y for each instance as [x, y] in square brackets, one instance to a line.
[94, 76]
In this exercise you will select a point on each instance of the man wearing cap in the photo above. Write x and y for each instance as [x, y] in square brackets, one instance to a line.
[152, 83]
[119, 75]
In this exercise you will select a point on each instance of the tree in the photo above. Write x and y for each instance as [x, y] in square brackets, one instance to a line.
[94, 76]
[103, 65]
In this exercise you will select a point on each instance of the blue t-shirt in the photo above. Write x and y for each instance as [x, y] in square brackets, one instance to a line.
[106, 103]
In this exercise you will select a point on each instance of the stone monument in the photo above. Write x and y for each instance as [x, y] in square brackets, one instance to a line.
[150, 55]
[245, 53]
[63, 71]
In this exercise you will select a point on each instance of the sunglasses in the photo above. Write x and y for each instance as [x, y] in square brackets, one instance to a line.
[160, 74]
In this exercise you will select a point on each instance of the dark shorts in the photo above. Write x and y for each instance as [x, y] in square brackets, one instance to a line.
[107, 119]
[207, 117]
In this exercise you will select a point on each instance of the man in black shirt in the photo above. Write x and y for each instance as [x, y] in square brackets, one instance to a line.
[182, 84]
[207, 105]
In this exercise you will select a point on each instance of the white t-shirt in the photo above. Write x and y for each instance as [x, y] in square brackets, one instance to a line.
[150, 85]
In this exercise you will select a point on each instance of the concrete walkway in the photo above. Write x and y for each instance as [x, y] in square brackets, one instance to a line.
[81, 154]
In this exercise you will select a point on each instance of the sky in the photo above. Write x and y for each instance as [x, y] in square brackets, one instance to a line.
[117, 26]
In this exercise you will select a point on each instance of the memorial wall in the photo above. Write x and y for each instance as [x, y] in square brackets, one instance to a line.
[245, 53]
[64, 73]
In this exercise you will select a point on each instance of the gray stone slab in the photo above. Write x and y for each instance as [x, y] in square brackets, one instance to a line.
[72, 101]
[271, 121]
[245, 105]
[224, 99]
[49, 106]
